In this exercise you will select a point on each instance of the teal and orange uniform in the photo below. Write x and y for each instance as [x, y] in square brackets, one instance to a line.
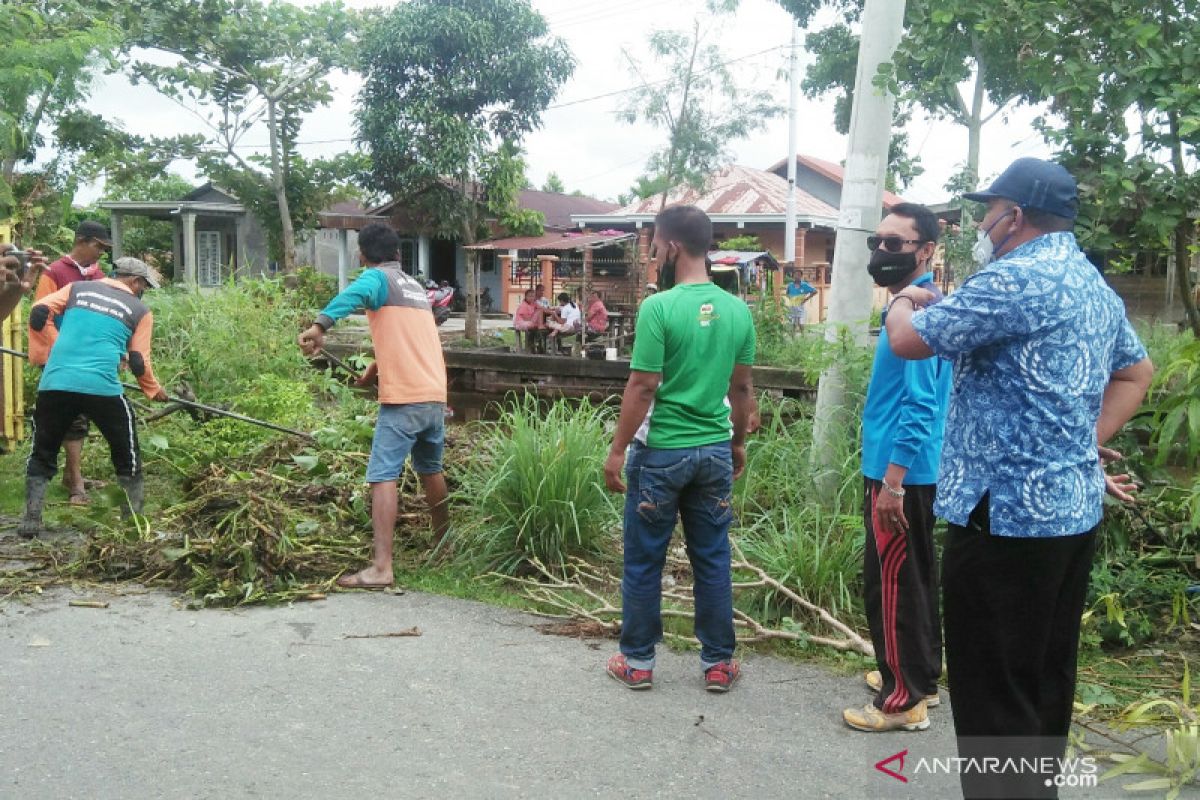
[89, 327]
[407, 346]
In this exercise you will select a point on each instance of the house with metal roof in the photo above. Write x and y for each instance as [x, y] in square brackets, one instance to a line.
[743, 201]
[823, 179]
[444, 259]
[216, 236]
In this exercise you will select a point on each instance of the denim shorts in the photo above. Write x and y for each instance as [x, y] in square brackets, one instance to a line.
[417, 428]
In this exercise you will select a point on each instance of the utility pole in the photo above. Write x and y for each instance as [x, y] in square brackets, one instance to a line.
[789, 235]
[859, 214]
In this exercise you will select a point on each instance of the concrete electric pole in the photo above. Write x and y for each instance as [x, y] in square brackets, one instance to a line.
[789, 235]
[859, 214]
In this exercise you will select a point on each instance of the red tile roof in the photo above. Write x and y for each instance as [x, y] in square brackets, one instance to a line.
[552, 241]
[558, 208]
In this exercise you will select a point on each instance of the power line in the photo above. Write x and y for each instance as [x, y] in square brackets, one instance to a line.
[607, 13]
[663, 82]
[551, 16]
[569, 103]
[584, 10]
[613, 169]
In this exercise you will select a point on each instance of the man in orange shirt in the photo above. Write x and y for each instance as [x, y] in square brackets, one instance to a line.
[411, 373]
[81, 264]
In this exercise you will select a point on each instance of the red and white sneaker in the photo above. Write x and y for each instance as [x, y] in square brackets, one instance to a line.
[721, 677]
[618, 668]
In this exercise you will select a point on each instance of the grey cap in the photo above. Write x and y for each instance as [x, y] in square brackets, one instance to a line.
[134, 267]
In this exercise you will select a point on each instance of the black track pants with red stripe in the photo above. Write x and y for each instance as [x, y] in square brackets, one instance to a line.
[901, 597]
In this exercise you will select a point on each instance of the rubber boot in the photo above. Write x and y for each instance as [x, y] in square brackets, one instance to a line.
[134, 488]
[35, 498]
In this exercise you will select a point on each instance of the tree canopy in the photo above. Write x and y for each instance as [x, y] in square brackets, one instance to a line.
[1124, 83]
[699, 104]
[946, 44]
[51, 53]
[242, 63]
[450, 89]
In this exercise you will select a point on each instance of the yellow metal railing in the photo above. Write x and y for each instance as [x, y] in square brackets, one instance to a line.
[12, 381]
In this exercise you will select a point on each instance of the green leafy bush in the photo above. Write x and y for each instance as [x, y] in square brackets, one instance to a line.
[1175, 399]
[1133, 601]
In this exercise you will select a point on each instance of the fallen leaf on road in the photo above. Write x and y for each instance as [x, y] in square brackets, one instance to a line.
[413, 631]
[581, 629]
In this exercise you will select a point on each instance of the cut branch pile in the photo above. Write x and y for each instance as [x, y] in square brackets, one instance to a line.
[585, 596]
[274, 527]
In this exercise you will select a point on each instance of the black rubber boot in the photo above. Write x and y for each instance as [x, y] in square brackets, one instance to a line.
[35, 498]
[134, 492]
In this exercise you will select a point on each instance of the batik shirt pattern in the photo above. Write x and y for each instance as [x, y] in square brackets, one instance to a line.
[1034, 338]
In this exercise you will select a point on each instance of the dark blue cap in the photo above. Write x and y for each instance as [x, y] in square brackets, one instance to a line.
[1036, 184]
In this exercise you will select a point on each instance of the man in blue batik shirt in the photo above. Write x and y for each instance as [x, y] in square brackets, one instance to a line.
[1046, 369]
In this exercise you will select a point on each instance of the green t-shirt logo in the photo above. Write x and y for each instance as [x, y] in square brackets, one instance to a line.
[707, 315]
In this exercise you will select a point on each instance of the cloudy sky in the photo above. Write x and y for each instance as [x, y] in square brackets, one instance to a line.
[582, 140]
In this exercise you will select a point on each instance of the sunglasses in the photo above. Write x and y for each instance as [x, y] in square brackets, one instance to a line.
[893, 244]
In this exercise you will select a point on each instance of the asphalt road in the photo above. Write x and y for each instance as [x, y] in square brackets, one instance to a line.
[144, 699]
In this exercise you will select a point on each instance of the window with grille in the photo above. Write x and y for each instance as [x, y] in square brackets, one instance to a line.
[208, 258]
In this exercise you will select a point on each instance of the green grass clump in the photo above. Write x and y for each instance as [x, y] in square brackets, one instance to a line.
[808, 538]
[535, 488]
[816, 552]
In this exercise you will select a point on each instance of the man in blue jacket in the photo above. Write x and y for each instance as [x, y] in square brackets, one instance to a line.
[903, 422]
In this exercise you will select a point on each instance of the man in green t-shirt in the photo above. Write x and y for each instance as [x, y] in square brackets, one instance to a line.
[684, 416]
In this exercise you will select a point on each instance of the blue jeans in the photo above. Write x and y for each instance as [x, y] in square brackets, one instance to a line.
[695, 483]
[404, 428]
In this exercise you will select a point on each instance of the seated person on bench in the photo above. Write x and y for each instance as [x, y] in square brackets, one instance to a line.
[564, 320]
[597, 315]
[527, 319]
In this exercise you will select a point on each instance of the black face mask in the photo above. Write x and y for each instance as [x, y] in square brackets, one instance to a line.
[666, 275]
[888, 269]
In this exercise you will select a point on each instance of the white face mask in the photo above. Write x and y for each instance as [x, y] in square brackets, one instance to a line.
[984, 250]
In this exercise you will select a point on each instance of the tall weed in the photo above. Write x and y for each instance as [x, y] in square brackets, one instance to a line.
[535, 488]
[788, 528]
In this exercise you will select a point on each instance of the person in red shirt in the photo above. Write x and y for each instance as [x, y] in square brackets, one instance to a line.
[81, 264]
[529, 318]
[597, 314]
[528, 314]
